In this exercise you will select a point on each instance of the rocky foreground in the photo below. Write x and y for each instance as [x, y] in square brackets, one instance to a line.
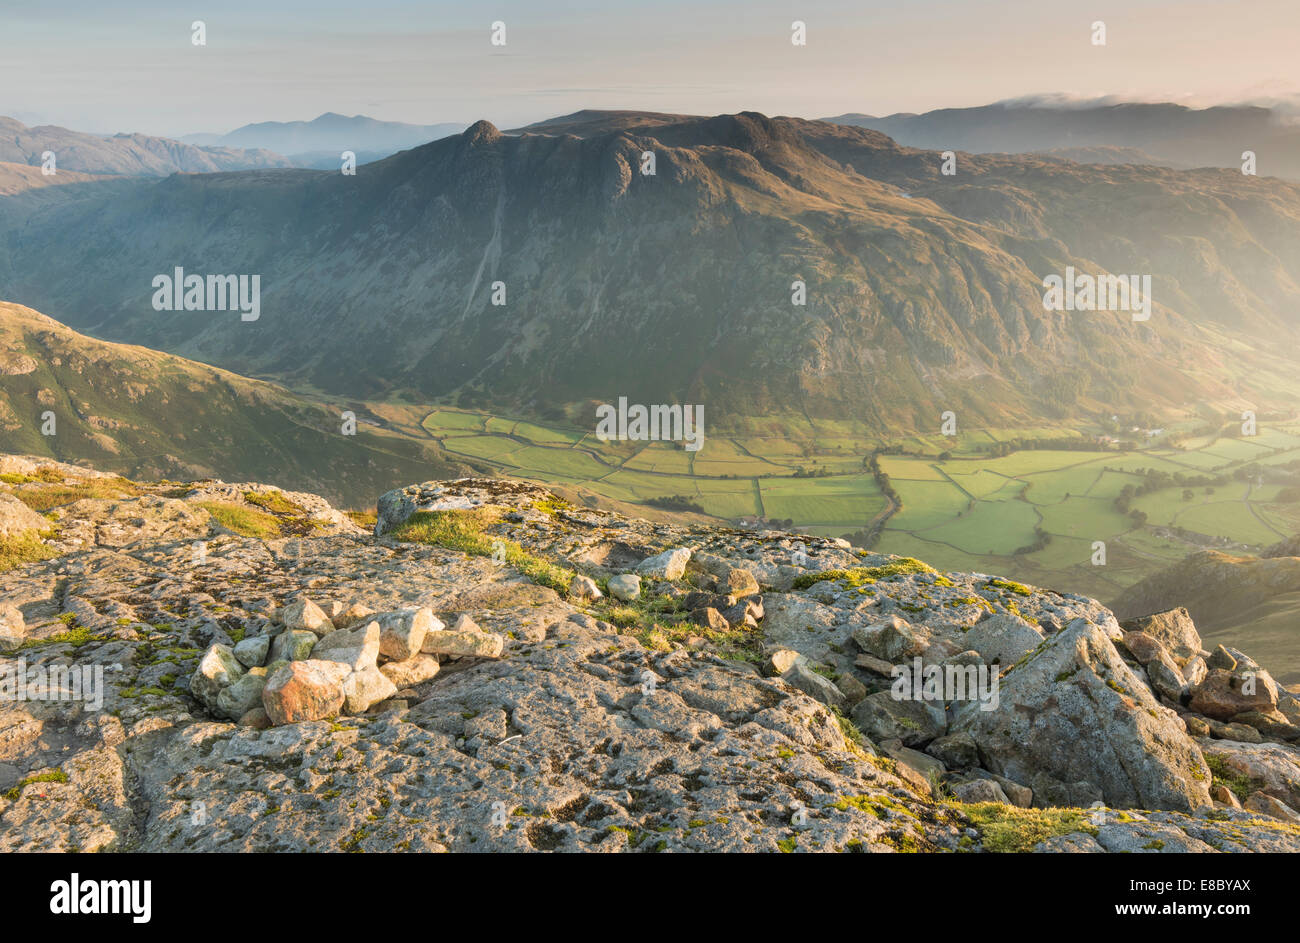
[482, 667]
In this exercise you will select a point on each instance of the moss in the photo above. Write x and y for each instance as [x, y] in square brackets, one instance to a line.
[880, 806]
[787, 845]
[858, 575]
[1008, 828]
[244, 521]
[1224, 775]
[463, 530]
[52, 776]
[76, 636]
[273, 501]
[1010, 585]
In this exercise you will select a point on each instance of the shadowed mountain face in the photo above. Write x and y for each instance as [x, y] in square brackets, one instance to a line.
[125, 154]
[924, 290]
[140, 412]
[1134, 132]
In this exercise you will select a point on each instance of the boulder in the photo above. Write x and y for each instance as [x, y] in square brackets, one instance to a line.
[472, 644]
[782, 660]
[957, 751]
[1267, 805]
[304, 690]
[402, 631]
[1224, 694]
[304, 615]
[1002, 638]
[625, 586]
[1272, 724]
[979, 790]
[584, 589]
[256, 718]
[1243, 733]
[701, 600]
[357, 647]
[1143, 647]
[801, 676]
[893, 639]
[352, 615]
[1166, 679]
[292, 645]
[13, 630]
[877, 666]
[929, 767]
[464, 623]
[1174, 629]
[364, 688]
[1076, 713]
[738, 582]
[243, 695]
[669, 565]
[1271, 767]
[1224, 796]
[216, 671]
[748, 612]
[852, 689]
[415, 670]
[252, 652]
[881, 716]
[1220, 658]
[711, 619]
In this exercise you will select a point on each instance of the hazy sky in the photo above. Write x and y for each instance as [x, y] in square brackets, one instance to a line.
[115, 65]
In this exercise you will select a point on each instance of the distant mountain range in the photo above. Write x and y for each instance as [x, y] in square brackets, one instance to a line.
[925, 291]
[320, 141]
[123, 154]
[1165, 134]
[144, 413]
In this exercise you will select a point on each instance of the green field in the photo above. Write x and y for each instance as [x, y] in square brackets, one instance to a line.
[1034, 514]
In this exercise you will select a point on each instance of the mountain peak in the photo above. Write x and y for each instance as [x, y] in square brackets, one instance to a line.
[481, 132]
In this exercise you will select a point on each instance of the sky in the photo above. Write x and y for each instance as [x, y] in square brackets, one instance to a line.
[129, 65]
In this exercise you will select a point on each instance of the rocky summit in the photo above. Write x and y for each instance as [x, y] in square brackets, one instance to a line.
[481, 666]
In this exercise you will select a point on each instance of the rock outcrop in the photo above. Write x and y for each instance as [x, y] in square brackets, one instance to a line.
[341, 690]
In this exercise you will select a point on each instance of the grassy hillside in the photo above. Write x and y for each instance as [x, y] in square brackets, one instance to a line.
[150, 415]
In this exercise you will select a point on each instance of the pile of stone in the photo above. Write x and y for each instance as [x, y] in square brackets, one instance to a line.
[319, 661]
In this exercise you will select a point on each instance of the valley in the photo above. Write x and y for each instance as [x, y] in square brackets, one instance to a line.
[961, 506]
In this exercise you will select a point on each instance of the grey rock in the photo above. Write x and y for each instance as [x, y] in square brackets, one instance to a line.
[914, 722]
[1076, 712]
[669, 565]
[252, 652]
[625, 586]
[1002, 638]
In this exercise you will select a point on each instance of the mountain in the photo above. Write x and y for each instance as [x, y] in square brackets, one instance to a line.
[143, 413]
[925, 291]
[321, 140]
[553, 717]
[125, 154]
[1155, 133]
[1254, 600]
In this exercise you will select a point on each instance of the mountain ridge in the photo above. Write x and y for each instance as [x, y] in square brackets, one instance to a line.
[925, 290]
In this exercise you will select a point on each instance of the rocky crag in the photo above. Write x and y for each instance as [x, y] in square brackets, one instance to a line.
[481, 667]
